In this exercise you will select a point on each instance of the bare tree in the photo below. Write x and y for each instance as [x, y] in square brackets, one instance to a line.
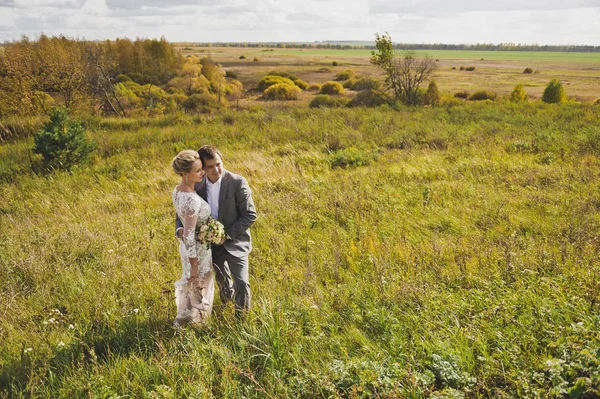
[404, 73]
[101, 69]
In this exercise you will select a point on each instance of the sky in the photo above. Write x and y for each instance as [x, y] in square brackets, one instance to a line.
[543, 22]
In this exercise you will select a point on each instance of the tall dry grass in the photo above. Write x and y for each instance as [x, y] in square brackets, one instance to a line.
[456, 254]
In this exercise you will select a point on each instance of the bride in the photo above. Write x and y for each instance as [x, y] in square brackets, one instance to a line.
[194, 291]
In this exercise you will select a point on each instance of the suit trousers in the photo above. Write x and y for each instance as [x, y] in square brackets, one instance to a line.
[232, 277]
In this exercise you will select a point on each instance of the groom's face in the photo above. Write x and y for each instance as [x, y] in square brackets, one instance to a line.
[213, 168]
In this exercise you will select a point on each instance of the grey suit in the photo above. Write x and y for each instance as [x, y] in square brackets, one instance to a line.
[237, 213]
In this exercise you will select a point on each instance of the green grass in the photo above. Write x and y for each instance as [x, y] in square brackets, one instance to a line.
[455, 254]
[442, 54]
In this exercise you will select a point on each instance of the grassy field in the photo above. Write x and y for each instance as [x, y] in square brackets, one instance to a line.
[496, 71]
[410, 253]
[585, 57]
[531, 56]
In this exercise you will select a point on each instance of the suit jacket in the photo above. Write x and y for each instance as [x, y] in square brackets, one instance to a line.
[236, 212]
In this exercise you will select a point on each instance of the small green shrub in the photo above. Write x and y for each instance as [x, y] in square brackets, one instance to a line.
[527, 70]
[554, 92]
[334, 63]
[518, 94]
[255, 59]
[352, 157]
[266, 81]
[332, 88]
[231, 74]
[432, 96]
[314, 87]
[482, 95]
[348, 84]
[270, 80]
[366, 84]
[242, 57]
[462, 68]
[461, 94]
[345, 75]
[324, 70]
[281, 91]
[367, 98]
[449, 100]
[234, 87]
[326, 101]
[471, 68]
[201, 102]
[596, 101]
[62, 142]
[321, 101]
[301, 84]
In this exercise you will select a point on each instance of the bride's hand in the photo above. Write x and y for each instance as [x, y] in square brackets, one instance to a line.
[193, 269]
[193, 274]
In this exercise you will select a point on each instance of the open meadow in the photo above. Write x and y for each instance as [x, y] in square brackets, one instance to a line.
[496, 71]
[405, 252]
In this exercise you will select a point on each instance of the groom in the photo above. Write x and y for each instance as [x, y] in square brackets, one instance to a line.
[230, 200]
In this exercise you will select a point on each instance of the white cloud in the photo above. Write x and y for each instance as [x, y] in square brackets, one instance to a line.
[407, 21]
[439, 7]
[148, 12]
[134, 5]
[33, 4]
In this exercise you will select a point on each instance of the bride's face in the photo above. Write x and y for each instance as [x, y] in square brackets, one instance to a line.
[196, 173]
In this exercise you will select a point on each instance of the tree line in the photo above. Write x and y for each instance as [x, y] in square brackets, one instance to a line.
[119, 77]
[407, 46]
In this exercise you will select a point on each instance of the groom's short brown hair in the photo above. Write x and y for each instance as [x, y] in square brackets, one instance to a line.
[208, 152]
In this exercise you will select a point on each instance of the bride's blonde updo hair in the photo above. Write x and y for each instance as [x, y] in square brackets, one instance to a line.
[183, 162]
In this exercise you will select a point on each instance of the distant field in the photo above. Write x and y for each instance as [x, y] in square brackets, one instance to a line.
[495, 71]
[442, 54]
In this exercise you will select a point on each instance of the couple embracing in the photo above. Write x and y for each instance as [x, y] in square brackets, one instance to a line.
[214, 210]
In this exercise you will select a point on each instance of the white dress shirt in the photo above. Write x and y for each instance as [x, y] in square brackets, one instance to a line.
[212, 196]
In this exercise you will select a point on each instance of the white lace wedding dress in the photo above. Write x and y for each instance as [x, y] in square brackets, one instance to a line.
[194, 298]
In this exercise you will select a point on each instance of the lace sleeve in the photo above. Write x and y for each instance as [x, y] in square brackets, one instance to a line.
[190, 217]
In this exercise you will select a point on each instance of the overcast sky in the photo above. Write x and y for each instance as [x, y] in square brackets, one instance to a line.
[407, 21]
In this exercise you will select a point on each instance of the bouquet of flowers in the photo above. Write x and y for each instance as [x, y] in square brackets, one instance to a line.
[211, 232]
